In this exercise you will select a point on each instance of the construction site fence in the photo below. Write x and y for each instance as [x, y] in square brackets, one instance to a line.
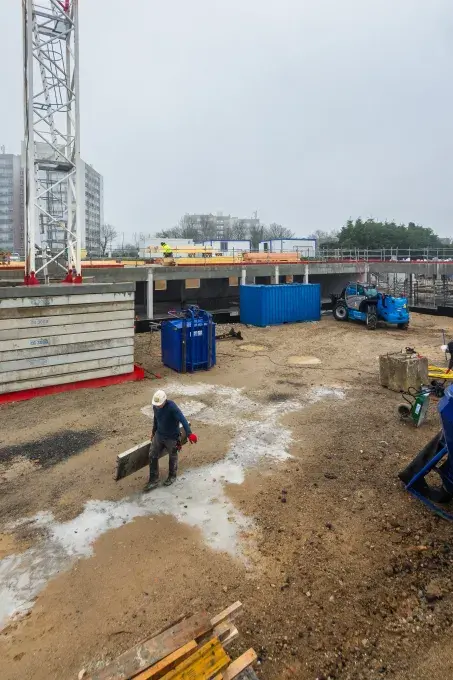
[209, 257]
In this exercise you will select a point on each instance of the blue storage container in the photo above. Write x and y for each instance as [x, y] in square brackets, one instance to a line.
[188, 343]
[282, 303]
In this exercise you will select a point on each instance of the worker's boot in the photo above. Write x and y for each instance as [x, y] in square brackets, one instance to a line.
[173, 467]
[152, 484]
[153, 475]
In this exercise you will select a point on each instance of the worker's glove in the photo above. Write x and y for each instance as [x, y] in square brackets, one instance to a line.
[193, 438]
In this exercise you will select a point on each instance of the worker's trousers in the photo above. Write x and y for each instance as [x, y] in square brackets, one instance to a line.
[158, 445]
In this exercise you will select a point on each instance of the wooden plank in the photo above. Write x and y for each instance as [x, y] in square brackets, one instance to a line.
[228, 636]
[26, 343]
[151, 651]
[32, 312]
[168, 663]
[63, 369]
[58, 300]
[64, 379]
[137, 457]
[229, 613]
[53, 350]
[66, 329]
[64, 319]
[58, 359]
[202, 665]
[240, 664]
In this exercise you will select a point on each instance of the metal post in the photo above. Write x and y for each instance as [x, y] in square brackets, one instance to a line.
[150, 294]
[276, 274]
[306, 273]
[54, 194]
[29, 188]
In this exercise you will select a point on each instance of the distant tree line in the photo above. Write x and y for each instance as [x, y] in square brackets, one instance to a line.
[372, 234]
[364, 234]
[206, 230]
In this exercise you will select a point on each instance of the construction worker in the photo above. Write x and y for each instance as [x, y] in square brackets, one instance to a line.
[449, 348]
[166, 434]
[167, 250]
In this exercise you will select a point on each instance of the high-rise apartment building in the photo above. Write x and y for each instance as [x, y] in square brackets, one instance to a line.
[12, 228]
[11, 215]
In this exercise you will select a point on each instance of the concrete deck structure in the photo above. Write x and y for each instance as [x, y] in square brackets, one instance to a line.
[216, 287]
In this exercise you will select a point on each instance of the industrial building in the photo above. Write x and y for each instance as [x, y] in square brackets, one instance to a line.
[229, 245]
[305, 247]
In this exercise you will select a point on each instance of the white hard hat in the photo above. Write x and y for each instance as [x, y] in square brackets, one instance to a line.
[159, 398]
[444, 348]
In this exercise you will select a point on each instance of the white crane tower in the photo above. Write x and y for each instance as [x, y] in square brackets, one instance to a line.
[53, 188]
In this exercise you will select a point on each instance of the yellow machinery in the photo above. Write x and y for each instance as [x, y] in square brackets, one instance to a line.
[440, 373]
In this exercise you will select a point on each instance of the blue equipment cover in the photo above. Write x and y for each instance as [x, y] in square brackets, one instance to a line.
[188, 343]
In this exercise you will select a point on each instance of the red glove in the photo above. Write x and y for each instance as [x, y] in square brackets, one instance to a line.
[193, 438]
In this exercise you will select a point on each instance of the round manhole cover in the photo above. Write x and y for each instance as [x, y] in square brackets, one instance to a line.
[252, 348]
[303, 361]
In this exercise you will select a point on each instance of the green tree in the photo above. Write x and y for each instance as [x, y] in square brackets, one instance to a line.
[373, 234]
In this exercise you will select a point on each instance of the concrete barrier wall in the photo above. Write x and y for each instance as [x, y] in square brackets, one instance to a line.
[56, 334]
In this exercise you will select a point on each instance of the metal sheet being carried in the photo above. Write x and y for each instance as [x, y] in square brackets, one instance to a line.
[137, 457]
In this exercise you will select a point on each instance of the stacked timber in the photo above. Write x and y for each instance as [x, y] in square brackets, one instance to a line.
[63, 333]
[193, 648]
[264, 257]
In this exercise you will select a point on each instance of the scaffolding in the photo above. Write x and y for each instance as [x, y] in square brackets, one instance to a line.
[52, 167]
[427, 292]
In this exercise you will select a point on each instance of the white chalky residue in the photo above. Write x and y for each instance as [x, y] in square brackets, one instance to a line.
[197, 499]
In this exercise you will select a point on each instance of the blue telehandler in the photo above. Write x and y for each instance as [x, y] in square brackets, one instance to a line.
[360, 302]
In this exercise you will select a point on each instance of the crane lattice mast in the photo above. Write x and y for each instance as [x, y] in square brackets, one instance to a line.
[52, 167]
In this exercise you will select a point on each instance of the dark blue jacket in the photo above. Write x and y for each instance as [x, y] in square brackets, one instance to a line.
[167, 419]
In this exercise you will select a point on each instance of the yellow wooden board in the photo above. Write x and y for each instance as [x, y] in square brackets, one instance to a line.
[168, 663]
[203, 664]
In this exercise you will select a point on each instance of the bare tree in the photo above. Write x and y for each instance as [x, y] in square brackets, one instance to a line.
[275, 230]
[187, 228]
[257, 234]
[107, 236]
[324, 236]
[207, 227]
[239, 230]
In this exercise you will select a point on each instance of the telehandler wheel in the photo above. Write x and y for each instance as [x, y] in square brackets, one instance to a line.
[340, 312]
[371, 321]
[403, 326]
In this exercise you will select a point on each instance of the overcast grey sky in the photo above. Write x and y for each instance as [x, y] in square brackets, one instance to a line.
[308, 111]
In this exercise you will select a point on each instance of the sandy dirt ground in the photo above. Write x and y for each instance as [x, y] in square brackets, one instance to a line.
[290, 502]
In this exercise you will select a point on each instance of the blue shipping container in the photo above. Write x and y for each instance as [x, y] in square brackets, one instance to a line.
[185, 344]
[282, 303]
